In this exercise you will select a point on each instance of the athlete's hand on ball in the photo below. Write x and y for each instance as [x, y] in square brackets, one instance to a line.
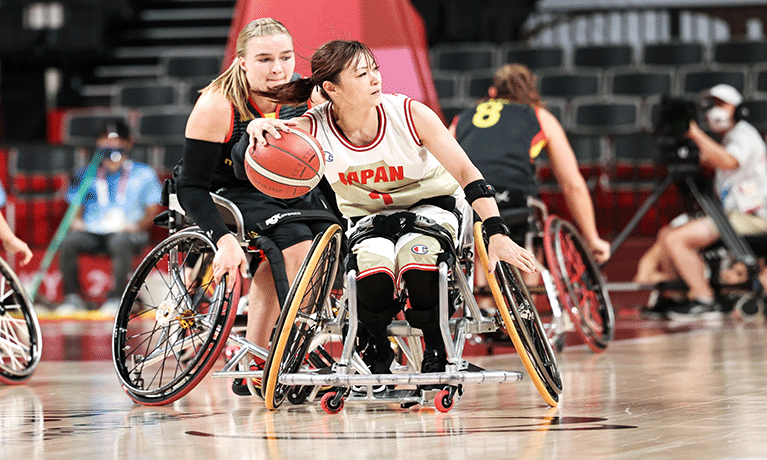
[257, 127]
[501, 247]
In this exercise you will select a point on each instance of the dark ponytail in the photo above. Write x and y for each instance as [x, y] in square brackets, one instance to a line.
[294, 92]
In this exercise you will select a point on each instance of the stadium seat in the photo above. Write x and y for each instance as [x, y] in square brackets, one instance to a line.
[449, 111]
[635, 157]
[80, 127]
[162, 127]
[603, 56]
[759, 79]
[147, 94]
[478, 84]
[36, 169]
[446, 85]
[35, 219]
[642, 83]
[194, 85]
[588, 152]
[569, 85]
[697, 79]
[741, 52]
[534, 58]
[611, 116]
[464, 56]
[183, 67]
[757, 113]
[673, 54]
[171, 155]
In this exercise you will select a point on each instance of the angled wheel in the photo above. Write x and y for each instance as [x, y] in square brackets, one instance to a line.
[517, 310]
[173, 321]
[20, 336]
[580, 286]
[302, 316]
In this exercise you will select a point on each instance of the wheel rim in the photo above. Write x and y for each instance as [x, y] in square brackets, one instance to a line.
[527, 354]
[580, 283]
[302, 316]
[170, 316]
[20, 345]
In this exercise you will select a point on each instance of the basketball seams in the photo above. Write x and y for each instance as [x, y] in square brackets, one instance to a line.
[271, 172]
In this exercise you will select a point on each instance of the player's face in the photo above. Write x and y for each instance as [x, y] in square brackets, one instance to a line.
[360, 82]
[269, 61]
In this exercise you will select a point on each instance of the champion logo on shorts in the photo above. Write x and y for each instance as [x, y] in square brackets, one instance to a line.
[420, 249]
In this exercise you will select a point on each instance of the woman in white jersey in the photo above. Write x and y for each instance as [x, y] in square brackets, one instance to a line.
[384, 154]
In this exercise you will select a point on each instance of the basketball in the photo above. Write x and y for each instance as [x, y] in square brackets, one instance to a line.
[287, 167]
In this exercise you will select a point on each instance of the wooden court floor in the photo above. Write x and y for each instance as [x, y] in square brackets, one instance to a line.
[697, 393]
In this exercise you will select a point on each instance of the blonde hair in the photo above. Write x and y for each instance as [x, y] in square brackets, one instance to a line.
[516, 83]
[232, 82]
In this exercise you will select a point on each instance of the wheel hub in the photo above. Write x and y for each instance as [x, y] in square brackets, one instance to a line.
[165, 313]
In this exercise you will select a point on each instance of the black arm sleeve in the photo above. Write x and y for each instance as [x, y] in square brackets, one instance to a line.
[238, 157]
[193, 188]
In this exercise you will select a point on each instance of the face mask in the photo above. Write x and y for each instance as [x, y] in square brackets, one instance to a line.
[112, 154]
[719, 119]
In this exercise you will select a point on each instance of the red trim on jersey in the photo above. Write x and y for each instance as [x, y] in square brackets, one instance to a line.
[312, 124]
[231, 127]
[373, 271]
[540, 137]
[411, 124]
[377, 140]
[408, 267]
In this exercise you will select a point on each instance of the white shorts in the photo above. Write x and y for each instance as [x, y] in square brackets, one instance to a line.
[412, 251]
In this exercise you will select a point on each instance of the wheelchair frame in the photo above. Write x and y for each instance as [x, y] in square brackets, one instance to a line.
[572, 281]
[516, 313]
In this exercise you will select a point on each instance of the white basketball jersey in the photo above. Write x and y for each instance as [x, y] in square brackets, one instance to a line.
[393, 172]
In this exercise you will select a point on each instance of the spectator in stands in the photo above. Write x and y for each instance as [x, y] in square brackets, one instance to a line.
[504, 134]
[11, 242]
[264, 59]
[738, 154]
[117, 210]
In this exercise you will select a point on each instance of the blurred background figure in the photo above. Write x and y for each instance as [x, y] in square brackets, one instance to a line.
[116, 213]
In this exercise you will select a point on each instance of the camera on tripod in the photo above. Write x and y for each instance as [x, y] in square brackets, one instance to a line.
[674, 147]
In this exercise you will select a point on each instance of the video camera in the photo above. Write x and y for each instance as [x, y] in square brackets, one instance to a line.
[670, 129]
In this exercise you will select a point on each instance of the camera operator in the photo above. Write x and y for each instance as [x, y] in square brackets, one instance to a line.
[739, 159]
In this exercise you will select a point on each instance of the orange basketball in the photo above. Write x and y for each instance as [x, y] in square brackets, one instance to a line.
[287, 167]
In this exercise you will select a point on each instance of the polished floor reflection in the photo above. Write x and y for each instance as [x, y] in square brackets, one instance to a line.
[699, 393]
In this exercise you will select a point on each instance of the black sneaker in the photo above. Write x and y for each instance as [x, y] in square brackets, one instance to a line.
[240, 387]
[378, 360]
[695, 310]
[433, 361]
[658, 306]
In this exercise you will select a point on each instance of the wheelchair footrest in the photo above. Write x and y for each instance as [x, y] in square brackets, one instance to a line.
[436, 378]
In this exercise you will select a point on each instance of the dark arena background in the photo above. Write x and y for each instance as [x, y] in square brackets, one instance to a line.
[661, 389]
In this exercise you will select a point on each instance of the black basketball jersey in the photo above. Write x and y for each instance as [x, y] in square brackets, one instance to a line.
[503, 139]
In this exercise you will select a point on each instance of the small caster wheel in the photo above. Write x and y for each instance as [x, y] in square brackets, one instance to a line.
[559, 343]
[443, 401]
[328, 405]
[297, 395]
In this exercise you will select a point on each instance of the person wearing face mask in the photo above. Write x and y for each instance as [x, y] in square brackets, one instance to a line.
[737, 153]
[115, 215]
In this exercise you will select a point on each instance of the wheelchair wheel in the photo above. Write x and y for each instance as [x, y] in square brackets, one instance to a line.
[20, 336]
[580, 286]
[173, 321]
[521, 320]
[301, 316]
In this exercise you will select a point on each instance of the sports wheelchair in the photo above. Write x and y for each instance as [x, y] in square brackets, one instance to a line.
[174, 320]
[20, 336]
[312, 321]
[571, 279]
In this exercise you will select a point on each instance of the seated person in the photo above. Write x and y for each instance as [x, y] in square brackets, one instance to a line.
[505, 133]
[739, 158]
[117, 210]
